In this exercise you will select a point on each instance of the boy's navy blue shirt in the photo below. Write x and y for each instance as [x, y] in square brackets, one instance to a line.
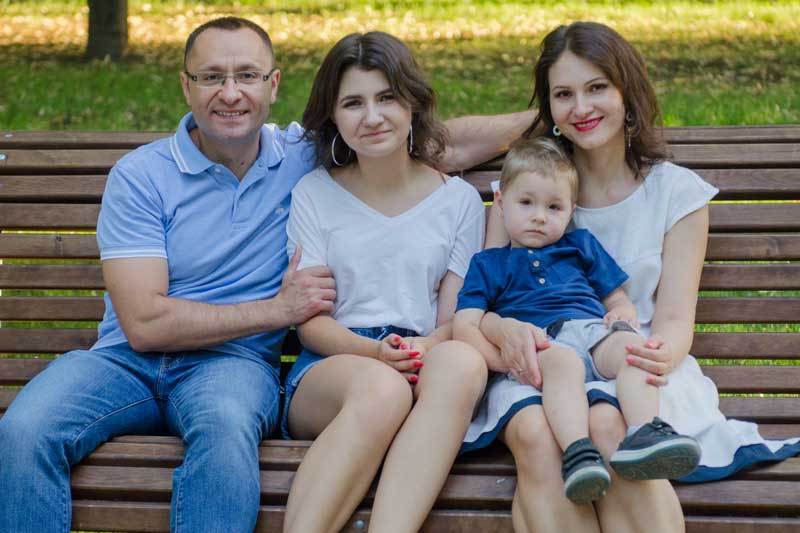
[564, 280]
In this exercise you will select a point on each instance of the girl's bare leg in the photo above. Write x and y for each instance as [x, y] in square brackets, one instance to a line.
[450, 385]
[631, 506]
[353, 406]
[539, 504]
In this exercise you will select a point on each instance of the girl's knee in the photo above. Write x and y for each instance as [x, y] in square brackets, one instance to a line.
[459, 364]
[380, 399]
[529, 437]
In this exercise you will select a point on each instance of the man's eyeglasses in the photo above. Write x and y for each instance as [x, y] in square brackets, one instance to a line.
[244, 77]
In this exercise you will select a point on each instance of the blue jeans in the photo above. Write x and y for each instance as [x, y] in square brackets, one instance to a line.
[220, 405]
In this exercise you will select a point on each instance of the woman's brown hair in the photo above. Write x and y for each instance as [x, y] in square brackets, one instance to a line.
[625, 68]
[373, 51]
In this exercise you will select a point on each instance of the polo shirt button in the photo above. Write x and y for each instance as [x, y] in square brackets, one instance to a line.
[536, 263]
[541, 281]
[530, 251]
[216, 169]
[280, 211]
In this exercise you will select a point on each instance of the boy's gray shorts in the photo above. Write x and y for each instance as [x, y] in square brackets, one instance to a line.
[583, 335]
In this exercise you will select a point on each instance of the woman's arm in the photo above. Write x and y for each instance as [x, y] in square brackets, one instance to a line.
[518, 343]
[466, 328]
[673, 320]
[496, 234]
[446, 306]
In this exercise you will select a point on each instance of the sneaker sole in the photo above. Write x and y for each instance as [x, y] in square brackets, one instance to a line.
[673, 459]
[587, 484]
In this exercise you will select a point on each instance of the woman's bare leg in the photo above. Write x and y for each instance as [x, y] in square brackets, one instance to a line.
[450, 385]
[631, 506]
[353, 406]
[539, 504]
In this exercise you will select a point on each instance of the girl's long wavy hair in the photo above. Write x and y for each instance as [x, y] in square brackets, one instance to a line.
[374, 51]
[625, 68]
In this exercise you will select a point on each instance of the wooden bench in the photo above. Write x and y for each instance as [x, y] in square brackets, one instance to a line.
[50, 189]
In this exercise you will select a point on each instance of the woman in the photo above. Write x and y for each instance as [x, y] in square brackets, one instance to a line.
[652, 217]
[380, 373]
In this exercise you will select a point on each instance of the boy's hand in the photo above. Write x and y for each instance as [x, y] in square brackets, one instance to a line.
[622, 312]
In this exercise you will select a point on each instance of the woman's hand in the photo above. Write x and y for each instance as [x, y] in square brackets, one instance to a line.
[402, 354]
[518, 343]
[654, 357]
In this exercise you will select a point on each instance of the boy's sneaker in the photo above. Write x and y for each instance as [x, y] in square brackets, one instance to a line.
[656, 451]
[585, 476]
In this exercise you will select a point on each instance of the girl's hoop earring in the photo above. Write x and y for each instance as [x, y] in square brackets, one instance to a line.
[556, 131]
[410, 138]
[333, 151]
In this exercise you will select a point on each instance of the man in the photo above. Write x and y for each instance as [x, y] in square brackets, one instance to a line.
[193, 247]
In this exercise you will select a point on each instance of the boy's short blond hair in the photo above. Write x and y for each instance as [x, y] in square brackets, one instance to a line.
[540, 155]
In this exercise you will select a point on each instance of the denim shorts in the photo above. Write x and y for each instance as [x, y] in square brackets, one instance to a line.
[307, 359]
[583, 335]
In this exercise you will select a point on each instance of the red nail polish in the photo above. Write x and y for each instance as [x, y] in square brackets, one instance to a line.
[629, 360]
[413, 354]
[629, 347]
[413, 379]
[418, 364]
[404, 346]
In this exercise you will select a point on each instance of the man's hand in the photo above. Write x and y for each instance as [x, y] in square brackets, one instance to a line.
[306, 293]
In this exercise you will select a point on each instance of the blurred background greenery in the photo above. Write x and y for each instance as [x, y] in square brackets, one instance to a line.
[711, 62]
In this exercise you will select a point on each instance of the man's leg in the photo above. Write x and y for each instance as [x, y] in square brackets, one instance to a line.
[78, 402]
[222, 406]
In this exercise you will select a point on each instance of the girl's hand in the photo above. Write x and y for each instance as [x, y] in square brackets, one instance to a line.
[654, 357]
[519, 343]
[399, 353]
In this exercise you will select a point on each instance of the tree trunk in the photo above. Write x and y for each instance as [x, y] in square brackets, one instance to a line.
[108, 29]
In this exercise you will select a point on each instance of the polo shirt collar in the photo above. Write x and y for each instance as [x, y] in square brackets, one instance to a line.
[191, 160]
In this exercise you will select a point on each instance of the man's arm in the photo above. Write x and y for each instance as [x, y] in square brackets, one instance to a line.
[475, 139]
[153, 321]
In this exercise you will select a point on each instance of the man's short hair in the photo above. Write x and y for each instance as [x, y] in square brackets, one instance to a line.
[229, 24]
[542, 156]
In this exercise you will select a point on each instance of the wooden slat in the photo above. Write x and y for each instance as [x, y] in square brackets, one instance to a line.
[761, 155]
[754, 183]
[724, 345]
[753, 247]
[37, 246]
[767, 410]
[60, 340]
[78, 139]
[728, 310]
[51, 308]
[755, 379]
[750, 277]
[18, 371]
[153, 517]
[754, 217]
[51, 277]
[44, 340]
[751, 497]
[47, 161]
[49, 216]
[52, 188]
[731, 134]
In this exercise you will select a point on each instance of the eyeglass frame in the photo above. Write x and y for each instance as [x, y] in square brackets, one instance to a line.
[193, 77]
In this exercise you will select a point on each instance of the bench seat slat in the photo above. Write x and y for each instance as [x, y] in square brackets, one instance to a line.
[81, 188]
[153, 517]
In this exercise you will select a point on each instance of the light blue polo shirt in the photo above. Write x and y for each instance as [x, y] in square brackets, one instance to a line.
[224, 240]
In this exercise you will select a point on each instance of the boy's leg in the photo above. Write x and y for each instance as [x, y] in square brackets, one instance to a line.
[564, 400]
[637, 398]
[652, 449]
[78, 402]
[563, 395]
[222, 406]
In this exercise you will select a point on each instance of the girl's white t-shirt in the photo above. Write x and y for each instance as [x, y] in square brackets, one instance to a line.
[632, 231]
[387, 269]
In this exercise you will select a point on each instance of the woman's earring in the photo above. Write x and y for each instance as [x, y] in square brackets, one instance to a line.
[556, 130]
[333, 151]
[630, 122]
[410, 138]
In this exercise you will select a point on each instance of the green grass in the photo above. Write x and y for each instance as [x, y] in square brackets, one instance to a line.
[711, 62]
